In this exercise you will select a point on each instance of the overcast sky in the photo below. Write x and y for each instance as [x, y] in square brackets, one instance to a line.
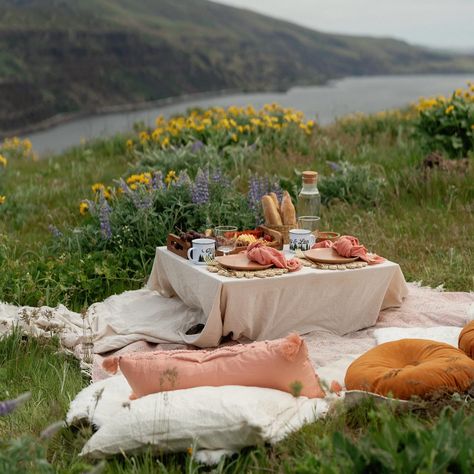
[438, 23]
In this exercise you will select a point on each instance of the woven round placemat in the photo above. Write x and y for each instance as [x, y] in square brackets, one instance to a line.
[271, 272]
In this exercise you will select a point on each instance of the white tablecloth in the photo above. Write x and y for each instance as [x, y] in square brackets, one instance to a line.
[340, 301]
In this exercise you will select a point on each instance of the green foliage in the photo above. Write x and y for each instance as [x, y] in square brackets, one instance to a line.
[448, 125]
[354, 184]
[398, 446]
[24, 454]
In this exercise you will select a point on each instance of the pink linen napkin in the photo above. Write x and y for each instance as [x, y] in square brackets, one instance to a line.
[348, 246]
[260, 253]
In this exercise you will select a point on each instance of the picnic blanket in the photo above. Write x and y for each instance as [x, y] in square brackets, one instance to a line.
[127, 322]
[122, 324]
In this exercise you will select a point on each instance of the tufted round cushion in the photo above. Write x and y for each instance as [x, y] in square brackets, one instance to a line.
[466, 340]
[411, 367]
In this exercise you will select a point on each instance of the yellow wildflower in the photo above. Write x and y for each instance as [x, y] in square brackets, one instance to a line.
[234, 137]
[165, 142]
[96, 187]
[190, 451]
[108, 192]
[2, 199]
[27, 144]
[3, 161]
[133, 186]
[144, 137]
[143, 178]
[449, 109]
[129, 144]
[171, 177]
[83, 208]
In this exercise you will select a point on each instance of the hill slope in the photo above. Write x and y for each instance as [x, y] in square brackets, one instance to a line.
[66, 55]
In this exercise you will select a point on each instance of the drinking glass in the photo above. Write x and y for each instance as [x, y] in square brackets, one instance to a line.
[310, 223]
[226, 237]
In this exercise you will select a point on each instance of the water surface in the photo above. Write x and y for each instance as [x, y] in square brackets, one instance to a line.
[325, 103]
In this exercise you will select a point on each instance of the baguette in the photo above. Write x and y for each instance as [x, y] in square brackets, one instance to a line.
[287, 210]
[275, 200]
[270, 211]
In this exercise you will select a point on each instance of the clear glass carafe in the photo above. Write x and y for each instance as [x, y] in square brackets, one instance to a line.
[309, 199]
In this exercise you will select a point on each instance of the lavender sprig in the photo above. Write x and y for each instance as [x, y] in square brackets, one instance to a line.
[57, 234]
[219, 178]
[157, 180]
[200, 192]
[8, 406]
[140, 202]
[104, 217]
[197, 145]
[183, 179]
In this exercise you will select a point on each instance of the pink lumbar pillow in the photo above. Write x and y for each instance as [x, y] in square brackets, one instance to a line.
[282, 364]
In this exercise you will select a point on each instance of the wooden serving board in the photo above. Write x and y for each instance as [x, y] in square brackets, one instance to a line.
[240, 261]
[327, 255]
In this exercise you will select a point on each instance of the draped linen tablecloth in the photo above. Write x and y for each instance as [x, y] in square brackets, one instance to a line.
[339, 301]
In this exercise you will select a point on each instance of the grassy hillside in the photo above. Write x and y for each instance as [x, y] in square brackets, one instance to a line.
[373, 185]
[60, 56]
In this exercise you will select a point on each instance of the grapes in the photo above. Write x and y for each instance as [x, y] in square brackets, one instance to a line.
[190, 235]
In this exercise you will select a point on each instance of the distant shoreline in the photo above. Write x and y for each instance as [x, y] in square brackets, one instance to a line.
[60, 119]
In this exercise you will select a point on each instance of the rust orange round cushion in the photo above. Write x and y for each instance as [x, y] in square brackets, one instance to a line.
[466, 340]
[411, 367]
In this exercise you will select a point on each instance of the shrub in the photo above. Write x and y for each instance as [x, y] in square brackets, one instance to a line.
[354, 184]
[447, 124]
[272, 125]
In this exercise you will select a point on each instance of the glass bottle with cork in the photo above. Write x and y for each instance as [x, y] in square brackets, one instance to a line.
[309, 199]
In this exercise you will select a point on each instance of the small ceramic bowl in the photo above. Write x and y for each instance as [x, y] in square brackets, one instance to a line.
[327, 235]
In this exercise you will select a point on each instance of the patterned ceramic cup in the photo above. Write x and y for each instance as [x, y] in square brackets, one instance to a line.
[201, 248]
[301, 239]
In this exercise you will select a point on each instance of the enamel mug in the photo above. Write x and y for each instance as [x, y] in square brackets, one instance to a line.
[201, 248]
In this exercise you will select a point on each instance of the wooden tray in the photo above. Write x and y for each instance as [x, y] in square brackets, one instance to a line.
[327, 256]
[240, 261]
[180, 247]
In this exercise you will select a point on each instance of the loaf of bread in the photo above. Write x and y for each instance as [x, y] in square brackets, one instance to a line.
[270, 211]
[275, 200]
[287, 210]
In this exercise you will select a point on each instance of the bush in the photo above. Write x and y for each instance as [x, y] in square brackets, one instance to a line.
[448, 124]
[354, 184]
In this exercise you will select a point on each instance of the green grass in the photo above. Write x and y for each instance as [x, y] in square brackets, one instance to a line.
[424, 221]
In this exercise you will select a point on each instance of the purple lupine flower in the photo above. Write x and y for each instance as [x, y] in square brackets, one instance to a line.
[140, 200]
[219, 178]
[52, 429]
[8, 406]
[104, 217]
[334, 166]
[57, 234]
[92, 207]
[200, 192]
[183, 179]
[197, 145]
[157, 180]
[276, 188]
[258, 187]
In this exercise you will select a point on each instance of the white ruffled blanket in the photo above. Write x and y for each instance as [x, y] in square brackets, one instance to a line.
[138, 320]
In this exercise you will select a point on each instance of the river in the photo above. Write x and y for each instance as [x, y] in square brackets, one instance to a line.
[325, 103]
